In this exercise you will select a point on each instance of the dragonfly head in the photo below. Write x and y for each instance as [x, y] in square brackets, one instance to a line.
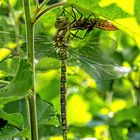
[61, 22]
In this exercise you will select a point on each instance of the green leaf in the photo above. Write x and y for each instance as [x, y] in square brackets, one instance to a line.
[25, 133]
[46, 113]
[132, 52]
[51, 130]
[18, 107]
[111, 11]
[137, 10]
[45, 85]
[9, 66]
[81, 131]
[19, 86]
[11, 132]
[134, 136]
[47, 63]
[8, 133]
[128, 114]
[89, 4]
[13, 119]
[117, 133]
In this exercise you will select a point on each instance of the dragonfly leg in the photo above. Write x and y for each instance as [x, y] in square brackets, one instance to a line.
[85, 21]
[74, 35]
[75, 18]
[91, 15]
[81, 15]
[67, 12]
[63, 12]
[74, 8]
[74, 15]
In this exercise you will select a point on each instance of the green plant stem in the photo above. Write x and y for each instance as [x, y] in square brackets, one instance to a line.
[35, 19]
[4, 82]
[16, 23]
[37, 10]
[30, 48]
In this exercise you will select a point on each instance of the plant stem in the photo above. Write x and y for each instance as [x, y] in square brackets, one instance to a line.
[37, 10]
[35, 19]
[4, 82]
[30, 48]
[16, 23]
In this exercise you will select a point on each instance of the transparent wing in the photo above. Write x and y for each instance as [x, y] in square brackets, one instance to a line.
[96, 58]
[10, 41]
[44, 49]
[94, 55]
[99, 68]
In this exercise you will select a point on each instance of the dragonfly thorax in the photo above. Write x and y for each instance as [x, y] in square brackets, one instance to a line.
[61, 38]
[84, 24]
[61, 22]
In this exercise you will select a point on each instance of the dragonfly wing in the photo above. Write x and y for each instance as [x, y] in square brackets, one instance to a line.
[43, 49]
[43, 43]
[8, 44]
[93, 59]
[47, 56]
[100, 69]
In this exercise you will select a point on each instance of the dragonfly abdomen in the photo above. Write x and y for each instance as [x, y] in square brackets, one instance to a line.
[105, 25]
[91, 23]
[61, 40]
[63, 97]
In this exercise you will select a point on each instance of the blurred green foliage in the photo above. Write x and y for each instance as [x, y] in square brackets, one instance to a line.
[99, 109]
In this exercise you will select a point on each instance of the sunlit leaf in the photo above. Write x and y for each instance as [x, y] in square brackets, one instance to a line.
[111, 11]
[74, 113]
[9, 66]
[127, 6]
[137, 11]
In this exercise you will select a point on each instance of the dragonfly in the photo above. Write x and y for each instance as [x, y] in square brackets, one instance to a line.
[92, 56]
[62, 40]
